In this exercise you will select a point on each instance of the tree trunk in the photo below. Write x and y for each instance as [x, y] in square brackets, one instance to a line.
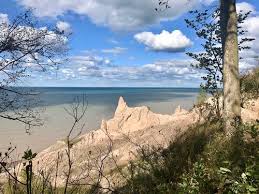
[231, 82]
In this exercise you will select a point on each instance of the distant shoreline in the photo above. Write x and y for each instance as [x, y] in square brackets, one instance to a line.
[106, 87]
[101, 105]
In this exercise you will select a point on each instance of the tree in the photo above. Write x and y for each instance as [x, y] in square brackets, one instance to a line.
[231, 81]
[25, 46]
[207, 27]
[25, 175]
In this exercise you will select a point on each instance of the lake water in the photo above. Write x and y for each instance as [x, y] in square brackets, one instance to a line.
[102, 103]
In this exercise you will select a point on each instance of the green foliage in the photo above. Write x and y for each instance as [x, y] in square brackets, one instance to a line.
[94, 189]
[227, 167]
[28, 155]
[207, 27]
[201, 98]
[38, 186]
[249, 85]
[200, 161]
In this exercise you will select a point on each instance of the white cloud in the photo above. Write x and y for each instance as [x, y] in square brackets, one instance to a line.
[158, 71]
[54, 43]
[68, 73]
[4, 18]
[245, 7]
[89, 60]
[64, 27]
[95, 67]
[116, 14]
[113, 41]
[207, 2]
[115, 50]
[165, 41]
[251, 24]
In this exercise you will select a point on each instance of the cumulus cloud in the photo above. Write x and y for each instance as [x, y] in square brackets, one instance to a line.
[174, 41]
[64, 27]
[4, 18]
[68, 73]
[95, 67]
[41, 38]
[207, 2]
[158, 71]
[245, 7]
[115, 50]
[116, 14]
[251, 24]
[89, 60]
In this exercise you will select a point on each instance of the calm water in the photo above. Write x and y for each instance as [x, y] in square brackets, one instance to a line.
[102, 103]
[109, 96]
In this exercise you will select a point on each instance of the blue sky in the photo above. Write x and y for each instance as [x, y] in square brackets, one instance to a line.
[124, 42]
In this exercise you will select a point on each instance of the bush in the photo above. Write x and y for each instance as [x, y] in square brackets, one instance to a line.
[226, 166]
[200, 161]
[249, 85]
[201, 98]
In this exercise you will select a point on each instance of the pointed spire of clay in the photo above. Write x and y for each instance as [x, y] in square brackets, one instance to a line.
[121, 106]
[104, 125]
[180, 110]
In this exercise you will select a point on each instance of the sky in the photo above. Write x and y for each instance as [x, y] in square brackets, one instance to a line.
[125, 43]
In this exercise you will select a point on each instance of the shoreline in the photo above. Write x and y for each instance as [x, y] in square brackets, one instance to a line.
[56, 121]
[119, 138]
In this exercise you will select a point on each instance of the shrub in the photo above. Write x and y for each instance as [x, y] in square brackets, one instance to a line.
[249, 85]
[200, 161]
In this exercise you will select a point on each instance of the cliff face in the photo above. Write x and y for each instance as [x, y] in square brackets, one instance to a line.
[98, 153]
[116, 142]
[127, 119]
[251, 111]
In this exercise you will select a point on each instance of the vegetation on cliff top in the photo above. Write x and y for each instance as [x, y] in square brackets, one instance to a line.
[201, 161]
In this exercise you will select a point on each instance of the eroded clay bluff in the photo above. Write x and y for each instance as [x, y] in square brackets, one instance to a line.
[115, 143]
[97, 154]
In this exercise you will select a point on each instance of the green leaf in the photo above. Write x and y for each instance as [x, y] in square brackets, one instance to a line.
[251, 188]
[224, 170]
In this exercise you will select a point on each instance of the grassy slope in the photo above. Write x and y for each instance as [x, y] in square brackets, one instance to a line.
[200, 161]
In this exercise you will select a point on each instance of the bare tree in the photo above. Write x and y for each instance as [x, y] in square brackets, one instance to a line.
[25, 46]
[77, 112]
